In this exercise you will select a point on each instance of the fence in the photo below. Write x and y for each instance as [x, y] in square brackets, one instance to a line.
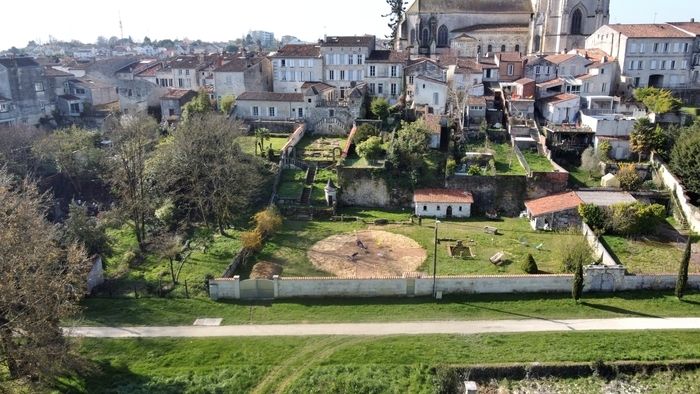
[690, 211]
[597, 279]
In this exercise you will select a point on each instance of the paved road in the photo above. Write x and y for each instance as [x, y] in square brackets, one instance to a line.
[379, 329]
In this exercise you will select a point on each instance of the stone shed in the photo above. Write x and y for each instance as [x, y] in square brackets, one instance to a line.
[442, 203]
[555, 212]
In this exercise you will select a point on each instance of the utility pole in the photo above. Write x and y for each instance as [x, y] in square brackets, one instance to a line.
[435, 260]
[121, 27]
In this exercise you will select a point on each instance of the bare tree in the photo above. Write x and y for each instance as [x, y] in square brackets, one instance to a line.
[40, 284]
[459, 100]
[133, 140]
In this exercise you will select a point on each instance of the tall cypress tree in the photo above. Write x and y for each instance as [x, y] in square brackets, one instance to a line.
[577, 288]
[683, 271]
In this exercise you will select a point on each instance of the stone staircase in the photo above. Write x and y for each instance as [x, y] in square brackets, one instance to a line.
[308, 185]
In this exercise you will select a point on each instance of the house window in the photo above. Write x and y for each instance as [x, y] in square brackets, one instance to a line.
[641, 48]
[410, 80]
[229, 80]
[517, 49]
[685, 47]
[350, 59]
[331, 113]
[4, 107]
[684, 65]
[636, 82]
[602, 71]
[503, 48]
[187, 72]
[576, 21]
[537, 70]
[291, 62]
[676, 47]
[39, 87]
[180, 83]
[256, 111]
[301, 112]
[179, 72]
[510, 69]
[342, 75]
[331, 75]
[663, 65]
[171, 111]
[442, 36]
[652, 65]
[372, 88]
[425, 208]
[272, 111]
[75, 108]
[436, 98]
[393, 89]
[666, 46]
[283, 63]
[438, 207]
[309, 63]
[656, 47]
[673, 64]
[380, 88]
[394, 71]
[460, 209]
[359, 59]
[605, 87]
[372, 71]
[489, 49]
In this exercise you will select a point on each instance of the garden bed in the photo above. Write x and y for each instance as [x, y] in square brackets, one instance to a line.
[291, 184]
[313, 148]
[537, 162]
[506, 162]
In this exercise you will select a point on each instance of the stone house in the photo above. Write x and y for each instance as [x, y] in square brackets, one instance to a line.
[539, 69]
[422, 67]
[272, 106]
[69, 105]
[561, 108]
[658, 55]
[171, 103]
[384, 75]
[692, 27]
[555, 212]
[510, 66]
[466, 74]
[602, 74]
[293, 65]
[344, 61]
[242, 74]
[480, 40]
[92, 92]
[476, 110]
[431, 93]
[55, 84]
[137, 88]
[613, 128]
[442, 203]
[23, 91]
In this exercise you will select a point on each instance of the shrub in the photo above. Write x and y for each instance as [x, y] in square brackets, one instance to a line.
[227, 103]
[636, 218]
[363, 132]
[371, 149]
[451, 166]
[529, 265]
[252, 240]
[604, 149]
[267, 222]
[575, 252]
[628, 177]
[595, 217]
[474, 170]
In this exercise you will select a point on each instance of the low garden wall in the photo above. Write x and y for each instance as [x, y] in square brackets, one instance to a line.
[690, 211]
[599, 250]
[597, 279]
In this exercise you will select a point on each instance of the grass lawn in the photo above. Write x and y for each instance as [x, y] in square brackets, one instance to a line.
[646, 256]
[506, 161]
[214, 261]
[347, 364]
[355, 161]
[288, 248]
[173, 312]
[318, 195]
[537, 162]
[248, 143]
[582, 179]
[292, 183]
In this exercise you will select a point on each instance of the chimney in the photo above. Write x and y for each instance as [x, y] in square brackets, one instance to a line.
[692, 20]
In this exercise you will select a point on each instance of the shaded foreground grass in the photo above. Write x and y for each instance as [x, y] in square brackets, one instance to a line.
[348, 364]
[159, 311]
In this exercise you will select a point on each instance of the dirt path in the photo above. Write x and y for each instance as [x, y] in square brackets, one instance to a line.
[383, 329]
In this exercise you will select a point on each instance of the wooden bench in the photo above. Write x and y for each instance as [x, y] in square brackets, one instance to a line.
[491, 230]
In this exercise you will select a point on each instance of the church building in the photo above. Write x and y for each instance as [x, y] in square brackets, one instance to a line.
[471, 28]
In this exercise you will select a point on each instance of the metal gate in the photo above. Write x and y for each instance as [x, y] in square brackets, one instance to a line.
[257, 289]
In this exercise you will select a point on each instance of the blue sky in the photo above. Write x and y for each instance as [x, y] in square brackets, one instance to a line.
[220, 21]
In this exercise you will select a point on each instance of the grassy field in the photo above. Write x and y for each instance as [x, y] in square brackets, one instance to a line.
[248, 143]
[292, 183]
[582, 179]
[537, 162]
[145, 311]
[288, 248]
[506, 161]
[152, 269]
[646, 256]
[346, 364]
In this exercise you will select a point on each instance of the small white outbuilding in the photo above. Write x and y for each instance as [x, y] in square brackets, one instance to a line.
[443, 203]
[610, 180]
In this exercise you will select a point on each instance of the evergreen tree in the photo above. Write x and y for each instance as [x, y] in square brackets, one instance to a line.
[577, 288]
[683, 271]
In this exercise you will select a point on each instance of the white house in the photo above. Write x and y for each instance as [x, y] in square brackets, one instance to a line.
[430, 92]
[442, 203]
[613, 128]
[562, 108]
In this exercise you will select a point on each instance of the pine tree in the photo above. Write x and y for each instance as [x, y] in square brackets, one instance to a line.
[577, 288]
[683, 271]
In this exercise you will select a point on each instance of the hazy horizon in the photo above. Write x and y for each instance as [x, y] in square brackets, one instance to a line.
[221, 23]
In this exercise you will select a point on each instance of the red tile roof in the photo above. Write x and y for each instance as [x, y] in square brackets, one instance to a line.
[177, 94]
[509, 57]
[553, 203]
[560, 58]
[442, 195]
[649, 30]
[690, 27]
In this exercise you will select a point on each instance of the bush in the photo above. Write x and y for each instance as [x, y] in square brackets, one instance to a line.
[451, 167]
[372, 149]
[530, 266]
[363, 132]
[575, 252]
[595, 217]
[267, 222]
[252, 240]
[628, 177]
[636, 218]
[474, 170]
[604, 149]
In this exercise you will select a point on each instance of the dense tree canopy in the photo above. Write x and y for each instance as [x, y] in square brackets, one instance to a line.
[658, 101]
[685, 158]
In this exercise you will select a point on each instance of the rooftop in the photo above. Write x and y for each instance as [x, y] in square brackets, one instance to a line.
[690, 27]
[559, 98]
[501, 28]
[271, 96]
[471, 6]
[52, 72]
[650, 30]
[11, 62]
[237, 65]
[348, 41]
[385, 56]
[604, 198]
[553, 203]
[509, 57]
[442, 196]
[176, 94]
[305, 50]
[560, 58]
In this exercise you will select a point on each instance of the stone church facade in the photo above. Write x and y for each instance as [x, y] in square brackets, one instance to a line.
[479, 27]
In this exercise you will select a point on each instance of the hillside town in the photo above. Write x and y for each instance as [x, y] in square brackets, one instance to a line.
[488, 167]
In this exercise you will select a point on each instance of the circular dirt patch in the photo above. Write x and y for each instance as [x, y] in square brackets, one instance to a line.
[367, 254]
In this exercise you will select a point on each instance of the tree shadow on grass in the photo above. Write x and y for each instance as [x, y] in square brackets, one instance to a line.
[619, 311]
[108, 378]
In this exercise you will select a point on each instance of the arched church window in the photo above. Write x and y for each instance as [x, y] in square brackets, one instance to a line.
[576, 20]
[489, 49]
[442, 36]
[425, 37]
[517, 47]
[503, 48]
[413, 36]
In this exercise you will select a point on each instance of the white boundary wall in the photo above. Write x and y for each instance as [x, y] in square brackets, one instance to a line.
[597, 279]
[692, 213]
